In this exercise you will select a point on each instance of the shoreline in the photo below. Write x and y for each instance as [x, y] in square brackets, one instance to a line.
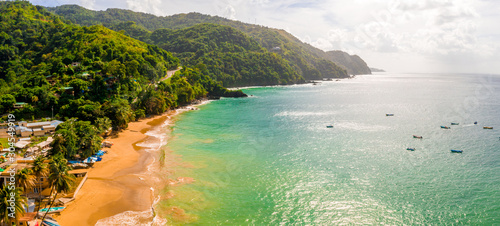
[121, 183]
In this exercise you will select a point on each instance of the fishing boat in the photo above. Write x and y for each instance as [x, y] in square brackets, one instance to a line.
[418, 137]
[487, 127]
[445, 127]
[52, 210]
[389, 114]
[48, 222]
[410, 149]
[454, 123]
[456, 151]
[330, 126]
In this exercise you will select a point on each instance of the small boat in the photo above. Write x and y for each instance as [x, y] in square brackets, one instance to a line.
[487, 127]
[410, 149]
[456, 151]
[445, 127]
[475, 123]
[455, 123]
[389, 114]
[48, 222]
[330, 126]
[418, 137]
[52, 210]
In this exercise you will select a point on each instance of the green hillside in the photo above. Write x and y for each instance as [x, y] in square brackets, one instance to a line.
[91, 73]
[229, 55]
[308, 61]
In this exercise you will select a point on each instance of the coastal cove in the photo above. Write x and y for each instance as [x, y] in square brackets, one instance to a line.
[269, 158]
[124, 181]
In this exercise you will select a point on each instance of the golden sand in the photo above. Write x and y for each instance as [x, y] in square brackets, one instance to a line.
[113, 186]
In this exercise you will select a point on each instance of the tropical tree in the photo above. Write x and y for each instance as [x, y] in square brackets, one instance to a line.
[59, 178]
[7, 196]
[25, 179]
[40, 169]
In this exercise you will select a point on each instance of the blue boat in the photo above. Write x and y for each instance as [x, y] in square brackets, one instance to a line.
[410, 149]
[329, 126]
[48, 222]
[445, 127]
[456, 151]
[52, 209]
[389, 114]
[454, 123]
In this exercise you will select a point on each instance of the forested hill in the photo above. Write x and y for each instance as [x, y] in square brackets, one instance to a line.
[229, 55]
[100, 77]
[308, 61]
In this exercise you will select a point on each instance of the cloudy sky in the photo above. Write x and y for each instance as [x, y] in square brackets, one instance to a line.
[395, 35]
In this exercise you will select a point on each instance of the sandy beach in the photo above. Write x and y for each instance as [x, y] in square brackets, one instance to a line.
[113, 185]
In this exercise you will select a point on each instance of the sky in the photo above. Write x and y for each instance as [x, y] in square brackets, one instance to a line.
[423, 36]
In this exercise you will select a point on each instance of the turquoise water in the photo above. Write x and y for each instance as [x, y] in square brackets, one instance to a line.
[269, 159]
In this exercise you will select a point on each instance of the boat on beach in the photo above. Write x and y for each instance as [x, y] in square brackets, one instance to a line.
[49, 222]
[389, 114]
[52, 210]
[418, 137]
[445, 127]
[329, 126]
[410, 149]
[455, 123]
[487, 127]
[456, 151]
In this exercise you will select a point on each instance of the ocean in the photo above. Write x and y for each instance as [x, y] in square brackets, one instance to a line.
[270, 159]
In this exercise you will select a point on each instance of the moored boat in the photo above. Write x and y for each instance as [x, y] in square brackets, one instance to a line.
[410, 149]
[389, 114]
[455, 123]
[445, 127]
[52, 210]
[487, 127]
[456, 151]
[475, 123]
[418, 137]
[329, 126]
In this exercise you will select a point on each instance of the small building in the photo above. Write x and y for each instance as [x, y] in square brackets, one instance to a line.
[23, 131]
[75, 64]
[27, 219]
[38, 132]
[4, 131]
[22, 123]
[22, 144]
[50, 79]
[68, 90]
[18, 105]
[49, 128]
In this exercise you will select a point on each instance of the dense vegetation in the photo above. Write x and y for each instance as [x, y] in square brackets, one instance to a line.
[308, 61]
[229, 55]
[100, 77]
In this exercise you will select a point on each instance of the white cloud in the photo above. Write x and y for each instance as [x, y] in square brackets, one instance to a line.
[392, 34]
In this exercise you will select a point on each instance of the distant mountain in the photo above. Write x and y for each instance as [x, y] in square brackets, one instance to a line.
[308, 61]
[376, 70]
[353, 63]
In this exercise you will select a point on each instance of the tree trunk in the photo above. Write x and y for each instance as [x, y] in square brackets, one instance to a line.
[39, 195]
[53, 200]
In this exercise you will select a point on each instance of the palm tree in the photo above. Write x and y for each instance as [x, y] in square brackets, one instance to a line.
[59, 178]
[6, 195]
[40, 169]
[25, 179]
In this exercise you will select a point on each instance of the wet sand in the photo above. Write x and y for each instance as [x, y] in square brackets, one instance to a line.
[113, 185]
